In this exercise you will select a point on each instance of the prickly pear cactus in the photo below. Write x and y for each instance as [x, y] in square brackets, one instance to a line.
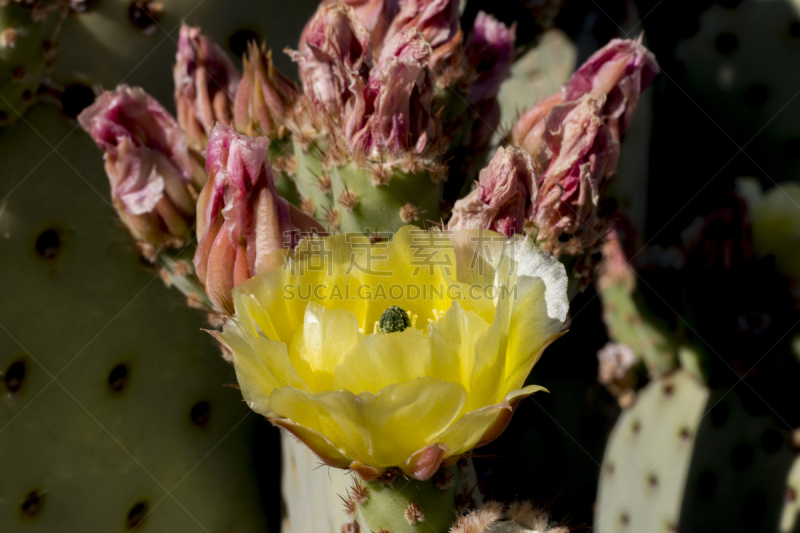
[312, 495]
[120, 41]
[647, 458]
[114, 405]
[627, 323]
[411, 506]
[349, 198]
[741, 461]
[27, 45]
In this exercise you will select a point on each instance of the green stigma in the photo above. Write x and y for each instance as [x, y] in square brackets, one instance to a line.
[393, 319]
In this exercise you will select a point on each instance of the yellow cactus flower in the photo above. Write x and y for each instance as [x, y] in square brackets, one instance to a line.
[775, 218]
[400, 355]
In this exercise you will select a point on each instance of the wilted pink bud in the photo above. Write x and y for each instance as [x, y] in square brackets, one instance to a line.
[438, 20]
[375, 15]
[154, 175]
[507, 195]
[528, 132]
[241, 217]
[264, 97]
[621, 70]
[490, 54]
[393, 113]
[336, 48]
[583, 151]
[205, 84]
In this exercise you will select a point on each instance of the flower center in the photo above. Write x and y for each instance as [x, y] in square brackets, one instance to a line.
[393, 319]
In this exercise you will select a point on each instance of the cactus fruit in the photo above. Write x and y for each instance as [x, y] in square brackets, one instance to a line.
[377, 197]
[139, 426]
[647, 457]
[27, 43]
[410, 506]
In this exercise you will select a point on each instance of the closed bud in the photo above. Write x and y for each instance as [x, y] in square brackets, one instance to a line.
[393, 112]
[241, 218]
[205, 84]
[154, 175]
[264, 97]
[584, 152]
[335, 47]
[621, 70]
[507, 195]
[438, 20]
[528, 132]
[490, 53]
[375, 15]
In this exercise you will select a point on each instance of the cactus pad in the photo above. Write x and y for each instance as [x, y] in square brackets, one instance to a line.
[138, 428]
[647, 458]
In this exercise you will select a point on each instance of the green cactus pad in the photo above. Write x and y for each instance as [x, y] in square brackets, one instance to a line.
[741, 461]
[139, 427]
[647, 458]
[628, 323]
[25, 50]
[111, 44]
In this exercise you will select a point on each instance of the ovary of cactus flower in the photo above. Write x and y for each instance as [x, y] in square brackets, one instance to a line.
[264, 96]
[583, 151]
[438, 20]
[506, 196]
[490, 53]
[528, 132]
[393, 113]
[241, 219]
[205, 85]
[621, 70]
[154, 175]
[407, 385]
[336, 48]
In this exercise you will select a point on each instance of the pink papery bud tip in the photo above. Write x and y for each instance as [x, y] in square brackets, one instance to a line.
[205, 84]
[154, 175]
[506, 196]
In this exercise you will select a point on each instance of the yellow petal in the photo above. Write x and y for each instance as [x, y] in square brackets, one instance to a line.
[454, 339]
[381, 430]
[322, 343]
[261, 365]
[479, 426]
[380, 360]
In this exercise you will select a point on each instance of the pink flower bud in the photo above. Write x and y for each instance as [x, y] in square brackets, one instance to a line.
[375, 15]
[335, 49]
[438, 20]
[154, 175]
[528, 132]
[241, 217]
[584, 154]
[506, 196]
[490, 54]
[621, 70]
[205, 84]
[264, 97]
[393, 113]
